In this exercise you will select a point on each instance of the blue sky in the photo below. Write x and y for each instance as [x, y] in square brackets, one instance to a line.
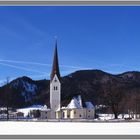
[105, 38]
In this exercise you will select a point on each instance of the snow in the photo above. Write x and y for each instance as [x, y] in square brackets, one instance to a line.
[69, 128]
[73, 104]
[3, 108]
[100, 106]
[89, 105]
[70, 75]
[107, 117]
[104, 117]
[28, 89]
[76, 102]
[27, 110]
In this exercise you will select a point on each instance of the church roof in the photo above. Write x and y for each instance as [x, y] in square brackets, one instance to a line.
[89, 105]
[76, 102]
[55, 67]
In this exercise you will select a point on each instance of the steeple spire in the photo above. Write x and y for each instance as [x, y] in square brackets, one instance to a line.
[55, 67]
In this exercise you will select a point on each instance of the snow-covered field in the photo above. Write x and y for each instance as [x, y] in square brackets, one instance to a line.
[105, 117]
[68, 128]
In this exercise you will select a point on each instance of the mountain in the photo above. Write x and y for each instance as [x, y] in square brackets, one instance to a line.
[92, 85]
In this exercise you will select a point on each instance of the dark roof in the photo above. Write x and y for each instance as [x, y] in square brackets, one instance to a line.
[55, 67]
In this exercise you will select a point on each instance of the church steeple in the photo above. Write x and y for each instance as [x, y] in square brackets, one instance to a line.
[55, 67]
[55, 85]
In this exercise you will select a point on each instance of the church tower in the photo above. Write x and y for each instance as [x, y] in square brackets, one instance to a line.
[55, 85]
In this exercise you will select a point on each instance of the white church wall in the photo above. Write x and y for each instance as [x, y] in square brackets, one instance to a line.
[82, 113]
[45, 114]
[90, 113]
[66, 114]
[55, 92]
[78, 113]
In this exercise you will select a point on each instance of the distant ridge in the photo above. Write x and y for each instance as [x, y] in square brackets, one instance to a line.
[92, 85]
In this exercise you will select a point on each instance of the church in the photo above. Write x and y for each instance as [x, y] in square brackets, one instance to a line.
[75, 109]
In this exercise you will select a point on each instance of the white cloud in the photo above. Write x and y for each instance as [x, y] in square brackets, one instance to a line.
[22, 68]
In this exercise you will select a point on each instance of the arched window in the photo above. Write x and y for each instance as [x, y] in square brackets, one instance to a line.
[55, 88]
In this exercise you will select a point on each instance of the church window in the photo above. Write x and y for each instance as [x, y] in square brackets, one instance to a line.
[55, 80]
[80, 115]
[55, 88]
[74, 112]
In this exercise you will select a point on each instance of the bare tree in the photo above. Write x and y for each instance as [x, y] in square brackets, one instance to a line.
[113, 96]
[7, 98]
[132, 105]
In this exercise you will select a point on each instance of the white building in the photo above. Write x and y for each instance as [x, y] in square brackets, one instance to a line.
[55, 86]
[75, 109]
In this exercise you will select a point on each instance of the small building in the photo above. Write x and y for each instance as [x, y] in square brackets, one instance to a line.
[90, 110]
[16, 115]
[19, 114]
[75, 110]
[45, 114]
[34, 109]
